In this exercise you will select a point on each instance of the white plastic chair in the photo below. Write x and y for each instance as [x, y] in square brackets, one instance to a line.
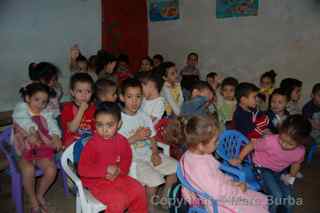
[85, 202]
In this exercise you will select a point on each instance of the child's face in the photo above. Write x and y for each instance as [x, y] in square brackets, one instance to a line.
[37, 102]
[109, 67]
[82, 92]
[110, 95]
[192, 60]
[156, 62]
[132, 99]
[171, 75]
[278, 103]
[286, 142]
[147, 88]
[83, 66]
[213, 83]
[145, 65]
[250, 101]
[228, 92]
[296, 94]
[316, 98]
[266, 83]
[107, 125]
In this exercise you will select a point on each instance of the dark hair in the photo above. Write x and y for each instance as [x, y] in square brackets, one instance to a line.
[211, 75]
[289, 84]
[196, 130]
[103, 85]
[148, 59]
[130, 82]
[153, 77]
[159, 57]
[201, 85]
[297, 127]
[244, 90]
[33, 88]
[163, 68]
[193, 54]
[93, 60]
[278, 91]
[316, 88]
[270, 74]
[109, 108]
[104, 58]
[81, 77]
[123, 57]
[43, 71]
[229, 81]
[81, 58]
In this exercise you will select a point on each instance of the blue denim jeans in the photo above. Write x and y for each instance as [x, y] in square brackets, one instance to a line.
[280, 193]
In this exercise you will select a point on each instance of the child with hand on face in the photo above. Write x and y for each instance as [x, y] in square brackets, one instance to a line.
[77, 115]
[105, 163]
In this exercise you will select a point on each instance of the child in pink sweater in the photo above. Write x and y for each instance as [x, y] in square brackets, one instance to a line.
[201, 170]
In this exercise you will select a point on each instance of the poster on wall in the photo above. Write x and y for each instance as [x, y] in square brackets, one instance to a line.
[236, 8]
[163, 10]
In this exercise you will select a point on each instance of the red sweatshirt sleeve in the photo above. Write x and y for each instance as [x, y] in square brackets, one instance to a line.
[125, 156]
[89, 164]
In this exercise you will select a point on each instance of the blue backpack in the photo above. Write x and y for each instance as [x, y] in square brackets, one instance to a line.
[79, 144]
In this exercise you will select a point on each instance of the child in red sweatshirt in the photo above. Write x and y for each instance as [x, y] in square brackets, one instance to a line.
[105, 162]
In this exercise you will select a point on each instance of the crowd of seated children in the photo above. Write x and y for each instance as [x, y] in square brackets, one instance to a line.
[266, 116]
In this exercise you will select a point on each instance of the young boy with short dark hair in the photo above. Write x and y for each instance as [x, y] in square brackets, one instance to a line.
[247, 119]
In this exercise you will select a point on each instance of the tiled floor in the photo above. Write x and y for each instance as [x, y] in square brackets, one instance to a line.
[307, 188]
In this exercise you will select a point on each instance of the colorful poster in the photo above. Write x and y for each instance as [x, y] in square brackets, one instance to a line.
[236, 8]
[163, 10]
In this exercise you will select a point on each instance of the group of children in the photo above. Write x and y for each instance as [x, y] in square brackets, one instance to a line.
[119, 111]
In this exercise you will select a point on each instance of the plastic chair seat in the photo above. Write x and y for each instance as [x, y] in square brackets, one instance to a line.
[96, 205]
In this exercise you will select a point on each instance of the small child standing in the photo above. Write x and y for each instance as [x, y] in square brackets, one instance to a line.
[201, 170]
[152, 167]
[293, 90]
[201, 98]
[311, 111]
[273, 154]
[105, 162]
[171, 90]
[277, 112]
[247, 119]
[226, 105]
[36, 137]
[77, 116]
[267, 81]
[105, 90]
[153, 104]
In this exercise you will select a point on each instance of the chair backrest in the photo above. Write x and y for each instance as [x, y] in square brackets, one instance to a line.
[190, 188]
[67, 162]
[7, 149]
[230, 144]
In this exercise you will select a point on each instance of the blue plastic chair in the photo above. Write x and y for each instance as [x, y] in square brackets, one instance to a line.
[202, 195]
[16, 179]
[230, 144]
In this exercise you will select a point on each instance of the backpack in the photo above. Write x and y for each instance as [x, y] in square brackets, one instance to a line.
[176, 202]
[78, 146]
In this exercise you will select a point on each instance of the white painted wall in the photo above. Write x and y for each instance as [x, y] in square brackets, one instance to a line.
[285, 36]
[37, 30]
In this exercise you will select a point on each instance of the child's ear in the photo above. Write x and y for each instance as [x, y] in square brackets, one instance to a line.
[27, 99]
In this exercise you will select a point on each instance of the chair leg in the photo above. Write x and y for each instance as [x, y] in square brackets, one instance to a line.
[17, 192]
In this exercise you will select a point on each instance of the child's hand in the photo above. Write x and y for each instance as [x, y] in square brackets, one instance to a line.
[112, 172]
[241, 185]
[235, 162]
[34, 139]
[83, 106]
[142, 134]
[155, 159]
[74, 52]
